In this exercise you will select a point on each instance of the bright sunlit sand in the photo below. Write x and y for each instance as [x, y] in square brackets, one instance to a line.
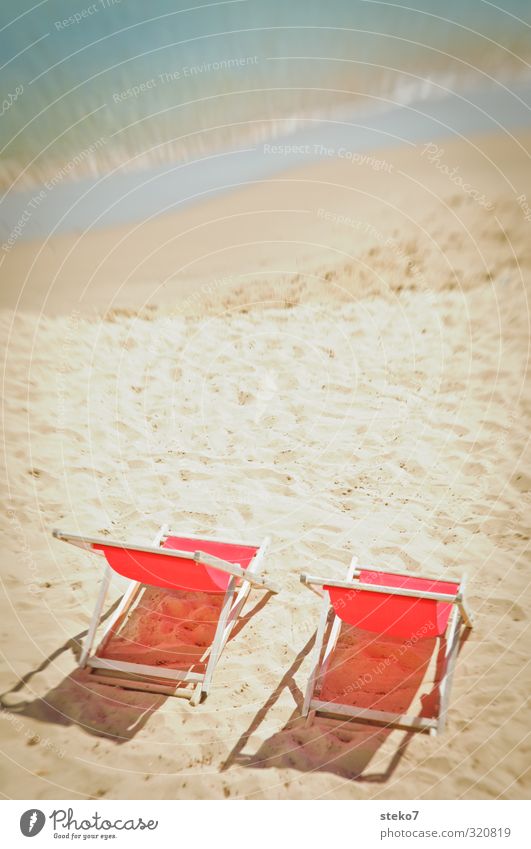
[336, 357]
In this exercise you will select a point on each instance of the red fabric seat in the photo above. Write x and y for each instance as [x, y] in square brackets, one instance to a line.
[394, 615]
[158, 570]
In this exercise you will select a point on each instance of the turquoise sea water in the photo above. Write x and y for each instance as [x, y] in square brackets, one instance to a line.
[89, 89]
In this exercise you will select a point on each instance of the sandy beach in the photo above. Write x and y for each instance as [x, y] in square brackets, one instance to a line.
[336, 357]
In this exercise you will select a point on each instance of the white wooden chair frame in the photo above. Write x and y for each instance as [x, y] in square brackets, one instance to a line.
[157, 679]
[460, 616]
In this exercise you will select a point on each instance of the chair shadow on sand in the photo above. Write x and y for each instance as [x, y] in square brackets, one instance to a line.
[366, 671]
[101, 709]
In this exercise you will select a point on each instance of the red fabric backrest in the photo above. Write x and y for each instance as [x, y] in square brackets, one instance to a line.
[158, 570]
[394, 615]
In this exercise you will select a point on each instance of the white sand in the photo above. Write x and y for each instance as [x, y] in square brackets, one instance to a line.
[339, 392]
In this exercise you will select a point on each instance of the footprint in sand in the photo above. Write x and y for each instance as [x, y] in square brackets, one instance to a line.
[521, 482]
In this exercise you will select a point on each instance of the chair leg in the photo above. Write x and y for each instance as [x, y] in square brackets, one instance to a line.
[466, 614]
[452, 647]
[336, 626]
[228, 618]
[198, 692]
[316, 654]
[128, 598]
[319, 639]
[95, 617]
[217, 643]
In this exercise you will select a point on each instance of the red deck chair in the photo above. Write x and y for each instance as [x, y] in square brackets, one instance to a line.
[188, 563]
[394, 604]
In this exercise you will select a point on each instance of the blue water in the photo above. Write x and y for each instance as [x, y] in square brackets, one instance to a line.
[89, 88]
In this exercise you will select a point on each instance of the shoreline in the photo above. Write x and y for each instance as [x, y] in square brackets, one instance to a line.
[61, 205]
[295, 226]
